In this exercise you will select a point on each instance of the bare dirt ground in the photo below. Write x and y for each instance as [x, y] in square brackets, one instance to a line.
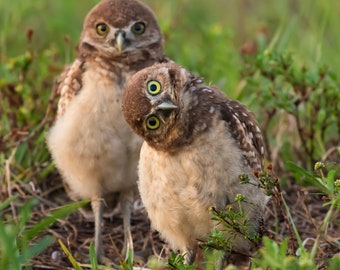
[306, 207]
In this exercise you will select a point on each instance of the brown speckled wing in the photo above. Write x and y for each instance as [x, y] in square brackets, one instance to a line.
[68, 85]
[246, 132]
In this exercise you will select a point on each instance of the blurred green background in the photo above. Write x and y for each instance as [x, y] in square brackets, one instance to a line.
[205, 36]
[211, 38]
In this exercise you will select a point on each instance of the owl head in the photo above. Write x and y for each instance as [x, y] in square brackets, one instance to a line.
[169, 107]
[159, 105]
[119, 29]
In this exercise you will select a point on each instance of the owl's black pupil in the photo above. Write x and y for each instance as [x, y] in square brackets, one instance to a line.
[152, 121]
[103, 28]
[153, 87]
[138, 27]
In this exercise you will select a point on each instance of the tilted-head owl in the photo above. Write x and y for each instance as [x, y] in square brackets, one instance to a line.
[91, 144]
[197, 144]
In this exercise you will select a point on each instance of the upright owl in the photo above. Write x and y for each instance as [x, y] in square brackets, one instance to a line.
[197, 144]
[91, 144]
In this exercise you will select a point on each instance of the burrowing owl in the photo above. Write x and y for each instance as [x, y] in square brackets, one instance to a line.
[197, 144]
[91, 144]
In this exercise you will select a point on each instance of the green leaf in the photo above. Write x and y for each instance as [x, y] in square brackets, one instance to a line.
[36, 249]
[56, 214]
[22, 151]
[330, 180]
[93, 257]
[130, 258]
[8, 248]
[297, 235]
[303, 176]
[7, 202]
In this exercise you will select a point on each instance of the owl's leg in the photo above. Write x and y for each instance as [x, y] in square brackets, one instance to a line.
[126, 201]
[97, 208]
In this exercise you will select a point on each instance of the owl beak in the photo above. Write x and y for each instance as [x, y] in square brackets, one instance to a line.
[120, 41]
[166, 105]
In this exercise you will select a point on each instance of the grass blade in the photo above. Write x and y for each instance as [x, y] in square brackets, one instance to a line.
[7, 202]
[37, 248]
[56, 214]
[69, 256]
[93, 257]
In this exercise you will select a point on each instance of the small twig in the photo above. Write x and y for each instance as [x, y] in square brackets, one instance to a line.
[307, 212]
[268, 118]
[301, 133]
[159, 255]
[290, 226]
[17, 187]
[8, 180]
[41, 198]
[54, 266]
[329, 152]
[57, 235]
[116, 250]
[272, 185]
[153, 247]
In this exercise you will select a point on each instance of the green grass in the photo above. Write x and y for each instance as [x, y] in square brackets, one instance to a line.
[37, 38]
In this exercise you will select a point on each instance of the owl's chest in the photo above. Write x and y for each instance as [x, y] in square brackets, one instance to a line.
[98, 105]
[187, 184]
[93, 123]
[204, 171]
[180, 188]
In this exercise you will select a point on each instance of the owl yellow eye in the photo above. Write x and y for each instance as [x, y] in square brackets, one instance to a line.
[138, 28]
[152, 122]
[154, 87]
[102, 29]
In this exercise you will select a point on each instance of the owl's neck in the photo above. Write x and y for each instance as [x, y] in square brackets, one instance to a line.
[132, 60]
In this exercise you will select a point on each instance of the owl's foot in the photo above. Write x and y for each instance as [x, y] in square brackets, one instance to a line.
[126, 201]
